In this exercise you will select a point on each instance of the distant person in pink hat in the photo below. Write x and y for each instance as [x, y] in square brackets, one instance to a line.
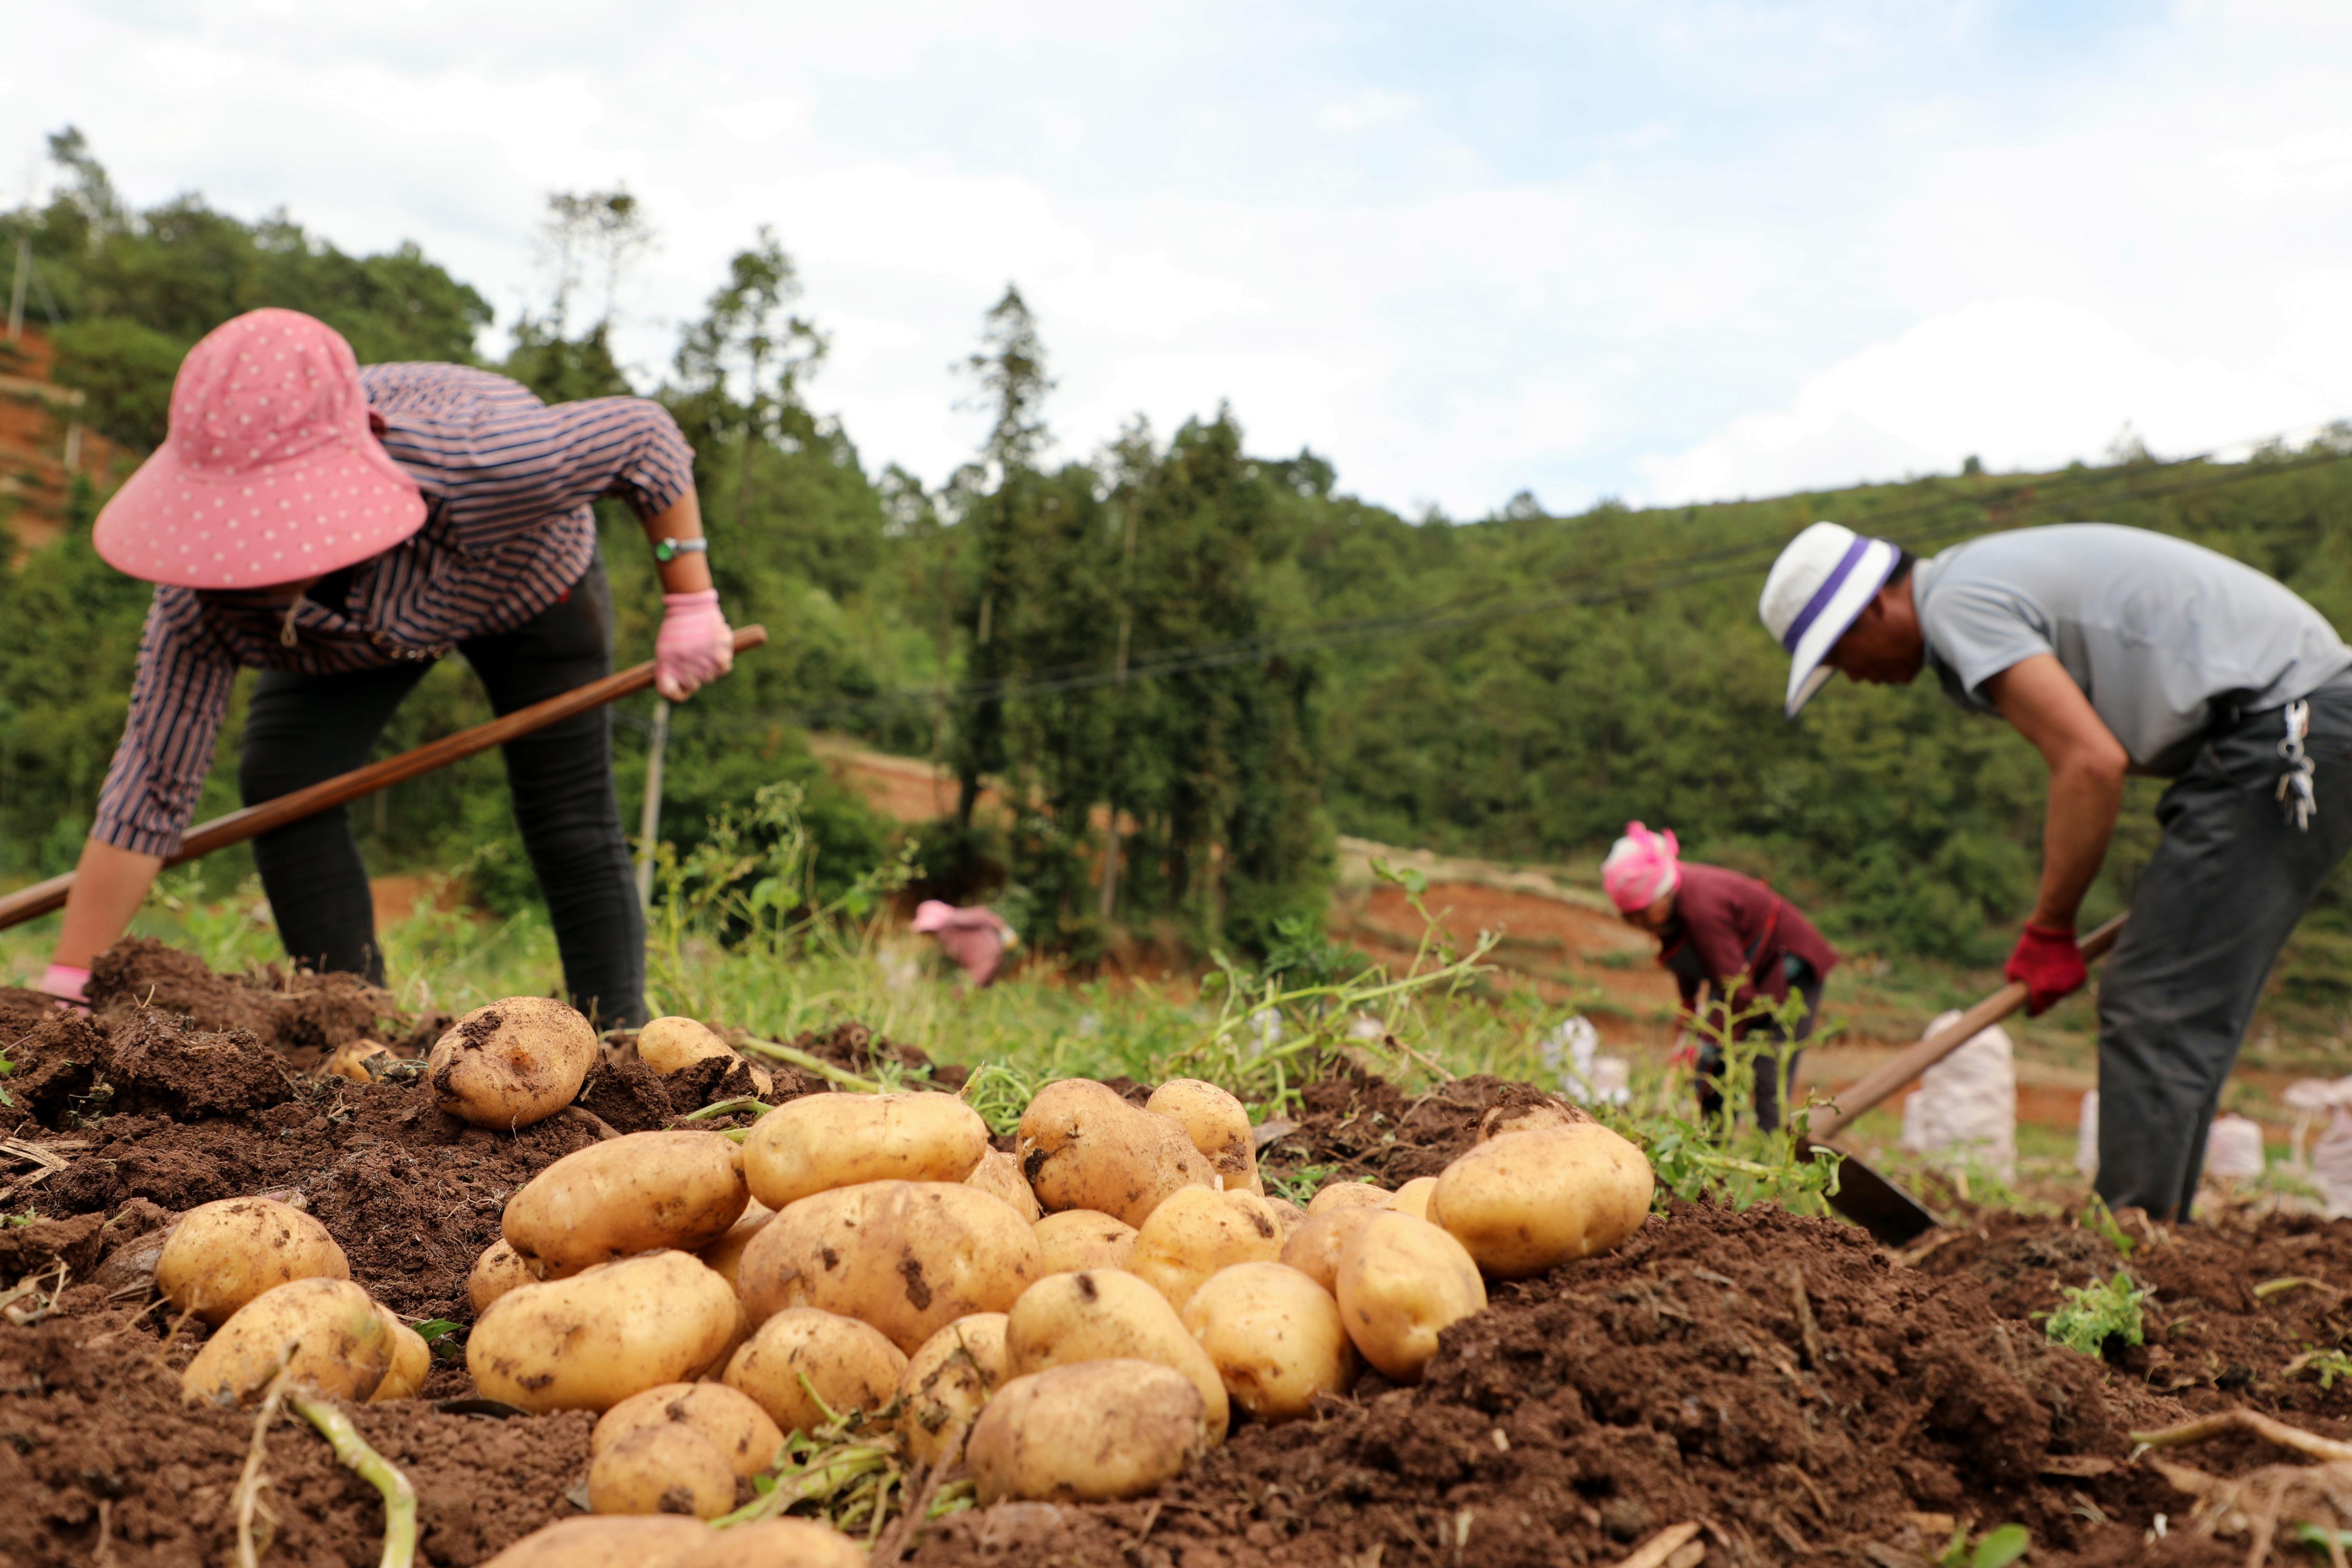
[1735, 948]
[341, 530]
[975, 939]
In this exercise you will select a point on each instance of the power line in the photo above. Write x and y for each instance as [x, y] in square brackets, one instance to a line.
[1631, 581]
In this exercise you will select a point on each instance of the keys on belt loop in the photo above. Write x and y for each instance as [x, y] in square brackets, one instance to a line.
[2294, 793]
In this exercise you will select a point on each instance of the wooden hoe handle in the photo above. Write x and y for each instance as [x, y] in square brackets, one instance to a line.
[1905, 1064]
[30, 903]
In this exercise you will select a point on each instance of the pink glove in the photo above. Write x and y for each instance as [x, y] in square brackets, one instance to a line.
[64, 982]
[696, 645]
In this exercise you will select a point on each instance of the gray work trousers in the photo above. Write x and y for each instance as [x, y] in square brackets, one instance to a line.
[2217, 899]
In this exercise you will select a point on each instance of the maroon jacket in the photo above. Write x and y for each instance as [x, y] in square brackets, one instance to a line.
[1732, 929]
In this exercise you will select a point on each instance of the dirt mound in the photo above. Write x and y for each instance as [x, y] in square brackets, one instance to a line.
[302, 1015]
[1773, 1378]
[1358, 1127]
[100, 1462]
[21, 1012]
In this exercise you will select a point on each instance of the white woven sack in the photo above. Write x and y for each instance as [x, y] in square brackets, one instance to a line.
[2086, 1135]
[2331, 1163]
[1964, 1112]
[2233, 1149]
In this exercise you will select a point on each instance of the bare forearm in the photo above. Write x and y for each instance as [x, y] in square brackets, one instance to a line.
[2084, 798]
[110, 885]
[682, 519]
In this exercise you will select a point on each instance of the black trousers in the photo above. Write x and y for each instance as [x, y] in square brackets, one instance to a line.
[2219, 897]
[300, 729]
[1773, 1088]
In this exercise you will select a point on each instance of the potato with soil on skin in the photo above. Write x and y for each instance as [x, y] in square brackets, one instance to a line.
[673, 1044]
[1197, 1232]
[1412, 1198]
[1524, 1202]
[668, 1468]
[1276, 1337]
[729, 1418]
[1344, 1194]
[339, 1343]
[497, 1271]
[1078, 1239]
[360, 1061]
[611, 1540]
[1314, 1248]
[1401, 1282]
[1104, 1314]
[1089, 1432]
[512, 1063]
[1083, 1147]
[776, 1543]
[823, 1142]
[222, 1255]
[726, 1254]
[1529, 1116]
[591, 1341]
[947, 1379]
[411, 1360]
[1287, 1215]
[909, 1258]
[1000, 1173]
[1219, 1126]
[640, 1193]
[849, 1365]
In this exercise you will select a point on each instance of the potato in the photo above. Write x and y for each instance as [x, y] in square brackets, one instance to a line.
[1340, 1195]
[1103, 1314]
[1287, 1215]
[1275, 1338]
[1412, 1198]
[668, 1468]
[337, 1338]
[411, 1360]
[591, 1341]
[1530, 1116]
[821, 1142]
[909, 1258]
[1526, 1201]
[947, 1379]
[738, 1335]
[1197, 1232]
[617, 1541]
[1000, 1173]
[1083, 1147]
[361, 1061]
[1315, 1248]
[222, 1255]
[1218, 1125]
[776, 1543]
[850, 1366]
[1400, 1281]
[672, 1044]
[1091, 1431]
[637, 1193]
[726, 1254]
[497, 1271]
[1083, 1238]
[731, 1419]
[512, 1063]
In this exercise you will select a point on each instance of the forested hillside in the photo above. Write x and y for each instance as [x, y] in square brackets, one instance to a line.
[1224, 653]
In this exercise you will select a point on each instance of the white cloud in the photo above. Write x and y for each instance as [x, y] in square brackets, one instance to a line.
[1363, 111]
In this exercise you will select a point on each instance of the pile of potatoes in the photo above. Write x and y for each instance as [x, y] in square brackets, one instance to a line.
[1074, 1320]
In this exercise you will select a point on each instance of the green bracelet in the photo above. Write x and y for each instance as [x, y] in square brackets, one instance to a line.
[668, 550]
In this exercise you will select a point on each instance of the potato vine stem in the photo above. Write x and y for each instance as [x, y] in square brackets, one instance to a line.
[816, 1064]
[399, 1497]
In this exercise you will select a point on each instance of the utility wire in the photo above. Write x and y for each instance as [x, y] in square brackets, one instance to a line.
[1629, 580]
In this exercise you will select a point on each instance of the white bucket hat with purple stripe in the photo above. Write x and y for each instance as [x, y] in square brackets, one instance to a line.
[1822, 582]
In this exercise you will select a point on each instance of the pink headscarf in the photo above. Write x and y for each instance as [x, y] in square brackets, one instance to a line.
[1642, 867]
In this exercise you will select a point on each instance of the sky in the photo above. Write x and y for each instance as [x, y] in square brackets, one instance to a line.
[1660, 251]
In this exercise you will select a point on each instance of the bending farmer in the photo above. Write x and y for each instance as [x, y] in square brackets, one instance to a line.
[1736, 938]
[2114, 651]
[341, 530]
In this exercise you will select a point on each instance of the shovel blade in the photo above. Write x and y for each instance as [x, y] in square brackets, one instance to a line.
[1893, 1216]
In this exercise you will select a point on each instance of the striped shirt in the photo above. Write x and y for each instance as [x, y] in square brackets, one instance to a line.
[507, 531]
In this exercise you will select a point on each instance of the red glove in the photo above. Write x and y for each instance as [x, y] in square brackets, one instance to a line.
[2050, 964]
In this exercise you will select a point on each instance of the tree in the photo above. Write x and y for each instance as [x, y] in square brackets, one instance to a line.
[744, 363]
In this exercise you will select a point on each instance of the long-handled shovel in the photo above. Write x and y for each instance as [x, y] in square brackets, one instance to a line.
[1865, 1196]
[30, 903]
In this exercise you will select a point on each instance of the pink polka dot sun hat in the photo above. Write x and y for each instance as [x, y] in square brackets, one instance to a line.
[269, 475]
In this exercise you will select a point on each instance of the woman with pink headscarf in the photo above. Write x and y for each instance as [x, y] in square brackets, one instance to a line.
[1744, 943]
[975, 940]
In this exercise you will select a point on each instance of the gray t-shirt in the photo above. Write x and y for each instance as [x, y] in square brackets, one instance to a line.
[2157, 631]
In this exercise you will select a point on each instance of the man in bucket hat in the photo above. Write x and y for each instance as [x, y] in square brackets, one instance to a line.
[2116, 650]
[341, 530]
